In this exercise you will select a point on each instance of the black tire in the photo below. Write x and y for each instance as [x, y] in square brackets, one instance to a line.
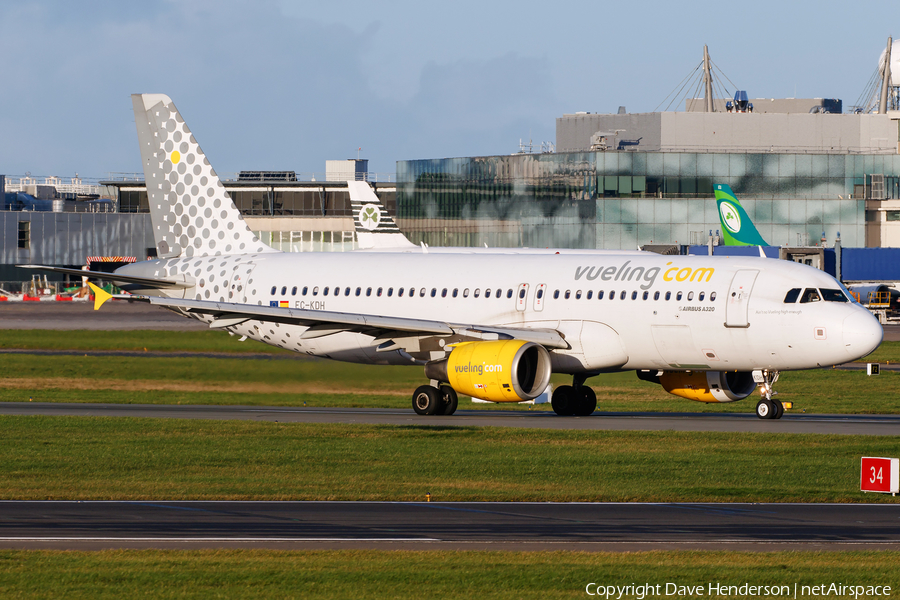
[450, 401]
[426, 400]
[779, 409]
[586, 401]
[765, 409]
[563, 401]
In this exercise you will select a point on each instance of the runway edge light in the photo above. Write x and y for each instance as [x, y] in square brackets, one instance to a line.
[879, 475]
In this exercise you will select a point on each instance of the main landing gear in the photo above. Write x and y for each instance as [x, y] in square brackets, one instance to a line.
[576, 399]
[768, 407]
[431, 400]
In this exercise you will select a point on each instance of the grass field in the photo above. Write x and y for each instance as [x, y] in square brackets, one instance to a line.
[90, 458]
[137, 340]
[375, 575]
[293, 380]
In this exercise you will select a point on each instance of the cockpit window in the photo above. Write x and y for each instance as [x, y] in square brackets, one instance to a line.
[792, 296]
[810, 295]
[833, 295]
[848, 293]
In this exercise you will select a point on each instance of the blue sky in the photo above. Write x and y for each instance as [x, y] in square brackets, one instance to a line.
[288, 84]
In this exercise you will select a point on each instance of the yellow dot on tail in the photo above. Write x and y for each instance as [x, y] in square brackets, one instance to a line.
[175, 156]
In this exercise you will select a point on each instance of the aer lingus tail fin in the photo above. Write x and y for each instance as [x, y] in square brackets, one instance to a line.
[737, 228]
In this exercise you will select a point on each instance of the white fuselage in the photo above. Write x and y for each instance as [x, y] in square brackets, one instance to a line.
[678, 312]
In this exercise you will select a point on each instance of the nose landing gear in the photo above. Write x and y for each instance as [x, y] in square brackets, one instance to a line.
[767, 407]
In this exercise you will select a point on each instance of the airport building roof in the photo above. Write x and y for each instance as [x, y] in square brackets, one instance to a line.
[730, 132]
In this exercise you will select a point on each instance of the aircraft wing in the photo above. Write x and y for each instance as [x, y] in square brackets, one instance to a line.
[152, 282]
[322, 323]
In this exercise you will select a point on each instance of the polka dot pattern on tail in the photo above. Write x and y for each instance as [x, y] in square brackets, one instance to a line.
[173, 166]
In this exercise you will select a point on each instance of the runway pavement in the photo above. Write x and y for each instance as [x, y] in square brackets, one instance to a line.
[114, 316]
[448, 526]
[725, 422]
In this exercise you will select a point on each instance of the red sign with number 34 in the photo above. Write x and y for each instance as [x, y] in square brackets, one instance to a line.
[880, 475]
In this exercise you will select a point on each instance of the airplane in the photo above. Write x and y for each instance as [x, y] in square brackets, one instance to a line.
[490, 326]
[737, 228]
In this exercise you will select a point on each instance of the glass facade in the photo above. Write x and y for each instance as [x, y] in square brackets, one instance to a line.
[289, 201]
[263, 201]
[622, 200]
[309, 241]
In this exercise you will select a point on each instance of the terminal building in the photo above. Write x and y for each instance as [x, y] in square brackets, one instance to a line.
[802, 168]
[620, 181]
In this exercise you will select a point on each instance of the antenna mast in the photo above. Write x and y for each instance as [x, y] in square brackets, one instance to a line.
[707, 78]
[886, 79]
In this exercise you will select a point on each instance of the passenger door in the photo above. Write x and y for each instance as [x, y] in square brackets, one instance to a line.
[736, 304]
[237, 293]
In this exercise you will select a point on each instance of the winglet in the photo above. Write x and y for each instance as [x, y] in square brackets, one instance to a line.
[100, 296]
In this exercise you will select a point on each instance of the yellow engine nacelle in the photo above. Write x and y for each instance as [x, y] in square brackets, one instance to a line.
[708, 386]
[499, 371]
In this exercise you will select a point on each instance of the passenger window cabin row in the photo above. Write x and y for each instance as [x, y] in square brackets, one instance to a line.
[634, 295]
[488, 293]
[347, 291]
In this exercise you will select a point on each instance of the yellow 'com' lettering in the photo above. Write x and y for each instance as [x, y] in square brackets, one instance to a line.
[699, 273]
[688, 274]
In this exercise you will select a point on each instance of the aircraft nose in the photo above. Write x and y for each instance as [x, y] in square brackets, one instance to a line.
[862, 334]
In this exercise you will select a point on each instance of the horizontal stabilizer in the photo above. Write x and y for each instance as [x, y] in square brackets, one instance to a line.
[150, 282]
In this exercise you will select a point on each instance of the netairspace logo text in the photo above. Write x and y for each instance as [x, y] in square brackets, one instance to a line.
[745, 590]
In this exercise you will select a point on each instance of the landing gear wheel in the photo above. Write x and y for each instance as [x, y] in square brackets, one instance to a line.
[768, 409]
[449, 401]
[586, 401]
[563, 401]
[779, 409]
[426, 400]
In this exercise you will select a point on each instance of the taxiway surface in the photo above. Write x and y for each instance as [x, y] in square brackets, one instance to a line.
[115, 316]
[448, 526]
[725, 422]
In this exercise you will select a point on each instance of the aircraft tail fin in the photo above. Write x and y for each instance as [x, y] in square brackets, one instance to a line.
[737, 228]
[191, 213]
[375, 227]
